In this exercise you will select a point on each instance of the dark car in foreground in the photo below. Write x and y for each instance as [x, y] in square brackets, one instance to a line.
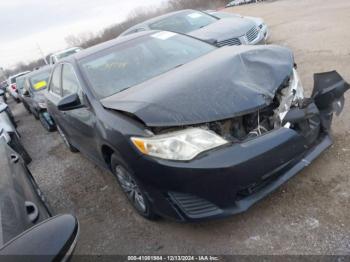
[28, 229]
[234, 30]
[33, 93]
[192, 131]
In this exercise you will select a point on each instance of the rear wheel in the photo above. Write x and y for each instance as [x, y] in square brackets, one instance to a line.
[65, 140]
[132, 188]
[49, 127]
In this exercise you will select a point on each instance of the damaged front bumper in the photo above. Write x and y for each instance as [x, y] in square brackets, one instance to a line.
[232, 178]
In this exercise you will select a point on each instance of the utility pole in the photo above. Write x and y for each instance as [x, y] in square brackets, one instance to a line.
[2, 74]
[42, 53]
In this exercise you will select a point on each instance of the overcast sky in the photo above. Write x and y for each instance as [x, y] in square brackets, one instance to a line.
[23, 23]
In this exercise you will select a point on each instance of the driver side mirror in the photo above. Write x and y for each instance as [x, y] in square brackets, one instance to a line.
[51, 240]
[69, 103]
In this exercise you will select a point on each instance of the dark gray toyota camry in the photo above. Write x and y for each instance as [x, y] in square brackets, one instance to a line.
[192, 132]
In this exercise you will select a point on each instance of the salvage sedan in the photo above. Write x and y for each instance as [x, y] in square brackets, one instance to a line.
[192, 131]
[234, 30]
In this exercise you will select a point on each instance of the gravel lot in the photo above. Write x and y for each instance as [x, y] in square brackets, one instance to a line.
[308, 215]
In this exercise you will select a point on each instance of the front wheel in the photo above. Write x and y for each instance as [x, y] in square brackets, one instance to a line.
[132, 188]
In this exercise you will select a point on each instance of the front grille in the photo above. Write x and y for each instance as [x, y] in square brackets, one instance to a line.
[193, 206]
[252, 34]
[232, 41]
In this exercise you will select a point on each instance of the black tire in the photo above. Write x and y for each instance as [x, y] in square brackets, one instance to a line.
[66, 141]
[45, 124]
[16, 145]
[35, 114]
[132, 189]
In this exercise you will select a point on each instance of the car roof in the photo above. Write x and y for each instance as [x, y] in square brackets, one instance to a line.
[105, 45]
[65, 50]
[40, 70]
[158, 18]
[19, 74]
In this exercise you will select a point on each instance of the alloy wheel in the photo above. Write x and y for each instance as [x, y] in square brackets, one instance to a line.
[131, 188]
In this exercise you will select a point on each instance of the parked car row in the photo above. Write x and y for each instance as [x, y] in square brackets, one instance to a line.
[194, 125]
[241, 2]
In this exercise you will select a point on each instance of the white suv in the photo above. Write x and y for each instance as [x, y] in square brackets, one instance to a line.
[54, 58]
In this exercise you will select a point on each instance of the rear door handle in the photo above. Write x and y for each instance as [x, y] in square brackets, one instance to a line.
[14, 158]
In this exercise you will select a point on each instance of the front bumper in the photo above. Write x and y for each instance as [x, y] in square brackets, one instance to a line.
[230, 179]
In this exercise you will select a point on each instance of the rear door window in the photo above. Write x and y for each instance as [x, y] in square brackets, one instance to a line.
[56, 81]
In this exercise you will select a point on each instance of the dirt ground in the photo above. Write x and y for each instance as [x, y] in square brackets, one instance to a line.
[308, 215]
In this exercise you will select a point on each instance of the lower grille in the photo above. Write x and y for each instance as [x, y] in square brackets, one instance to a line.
[193, 206]
[252, 34]
[232, 41]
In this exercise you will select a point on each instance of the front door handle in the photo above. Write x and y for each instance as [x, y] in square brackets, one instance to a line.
[32, 211]
[14, 158]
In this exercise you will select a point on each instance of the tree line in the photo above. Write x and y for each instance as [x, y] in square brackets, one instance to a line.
[88, 39]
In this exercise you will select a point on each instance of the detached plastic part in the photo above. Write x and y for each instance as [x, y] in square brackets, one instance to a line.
[329, 87]
[328, 94]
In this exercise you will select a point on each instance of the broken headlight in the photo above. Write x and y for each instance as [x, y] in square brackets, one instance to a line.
[179, 145]
[296, 86]
[290, 95]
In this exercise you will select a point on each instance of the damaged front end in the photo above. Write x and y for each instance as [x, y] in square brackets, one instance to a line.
[254, 154]
[289, 109]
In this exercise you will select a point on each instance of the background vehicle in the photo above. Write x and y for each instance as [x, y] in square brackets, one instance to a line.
[258, 21]
[239, 2]
[191, 131]
[8, 127]
[220, 32]
[19, 84]
[54, 58]
[12, 87]
[27, 226]
[34, 89]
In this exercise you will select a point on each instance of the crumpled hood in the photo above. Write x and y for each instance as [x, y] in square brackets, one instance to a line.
[228, 82]
[224, 29]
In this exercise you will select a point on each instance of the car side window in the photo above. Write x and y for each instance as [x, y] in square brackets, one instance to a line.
[70, 83]
[55, 81]
[26, 86]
